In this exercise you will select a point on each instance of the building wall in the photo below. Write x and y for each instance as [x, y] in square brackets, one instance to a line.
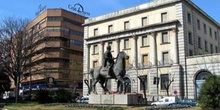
[62, 47]
[181, 20]
[209, 63]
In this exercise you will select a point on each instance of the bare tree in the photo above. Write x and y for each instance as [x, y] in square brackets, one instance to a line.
[167, 82]
[18, 47]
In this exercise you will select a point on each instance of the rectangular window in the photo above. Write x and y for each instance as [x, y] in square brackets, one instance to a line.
[126, 43]
[145, 41]
[216, 49]
[189, 18]
[95, 64]
[199, 42]
[190, 52]
[126, 25]
[96, 32]
[198, 24]
[190, 38]
[211, 48]
[126, 62]
[143, 83]
[206, 46]
[144, 21]
[216, 35]
[145, 59]
[95, 49]
[164, 81]
[210, 32]
[165, 56]
[163, 17]
[165, 38]
[205, 30]
[110, 28]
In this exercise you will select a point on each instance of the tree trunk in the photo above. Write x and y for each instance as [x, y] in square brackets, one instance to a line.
[17, 89]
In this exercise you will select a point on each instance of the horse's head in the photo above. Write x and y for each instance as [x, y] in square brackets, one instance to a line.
[123, 55]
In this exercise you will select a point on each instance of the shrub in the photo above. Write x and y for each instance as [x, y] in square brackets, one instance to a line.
[42, 96]
[63, 95]
[209, 98]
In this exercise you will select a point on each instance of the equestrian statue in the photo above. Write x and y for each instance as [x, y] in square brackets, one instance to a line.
[110, 70]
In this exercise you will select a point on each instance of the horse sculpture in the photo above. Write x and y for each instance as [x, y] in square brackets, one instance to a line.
[99, 74]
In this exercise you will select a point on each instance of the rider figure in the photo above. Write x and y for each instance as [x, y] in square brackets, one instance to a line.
[108, 58]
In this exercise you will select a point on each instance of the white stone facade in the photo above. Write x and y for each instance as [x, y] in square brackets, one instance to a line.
[158, 36]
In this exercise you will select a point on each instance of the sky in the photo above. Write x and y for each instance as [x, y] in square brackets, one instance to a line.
[28, 8]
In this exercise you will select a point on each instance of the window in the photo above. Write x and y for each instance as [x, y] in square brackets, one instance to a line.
[145, 59]
[211, 48]
[145, 41]
[96, 32]
[216, 49]
[206, 46]
[95, 49]
[54, 18]
[199, 42]
[210, 32]
[190, 38]
[144, 79]
[189, 18]
[110, 44]
[204, 26]
[190, 52]
[126, 25]
[110, 28]
[126, 62]
[165, 38]
[165, 56]
[144, 21]
[95, 64]
[164, 81]
[198, 24]
[216, 35]
[126, 43]
[163, 17]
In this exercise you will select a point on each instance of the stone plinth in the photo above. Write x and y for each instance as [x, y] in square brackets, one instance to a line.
[115, 99]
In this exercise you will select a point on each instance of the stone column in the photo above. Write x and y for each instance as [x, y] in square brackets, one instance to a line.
[175, 47]
[154, 48]
[118, 46]
[102, 53]
[88, 57]
[135, 52]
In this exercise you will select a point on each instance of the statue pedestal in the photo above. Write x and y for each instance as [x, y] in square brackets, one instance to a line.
[116, 99]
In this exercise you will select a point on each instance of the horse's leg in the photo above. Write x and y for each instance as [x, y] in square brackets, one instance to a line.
[103, 84]
[119, 87]
[93, 86]
[122, 84]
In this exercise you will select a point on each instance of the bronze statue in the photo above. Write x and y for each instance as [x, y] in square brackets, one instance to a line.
[99, 74]
[108, 59]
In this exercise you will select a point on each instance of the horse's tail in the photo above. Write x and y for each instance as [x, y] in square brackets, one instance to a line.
[92, 73]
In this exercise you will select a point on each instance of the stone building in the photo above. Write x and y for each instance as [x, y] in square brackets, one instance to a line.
[59, 40]
[159, 36]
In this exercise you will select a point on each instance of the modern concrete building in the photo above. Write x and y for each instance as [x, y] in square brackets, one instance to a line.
[58, 58]
[159, 36]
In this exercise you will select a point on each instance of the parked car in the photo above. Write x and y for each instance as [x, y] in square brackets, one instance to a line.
[84, 99]
[165, 101]
[189, 102]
